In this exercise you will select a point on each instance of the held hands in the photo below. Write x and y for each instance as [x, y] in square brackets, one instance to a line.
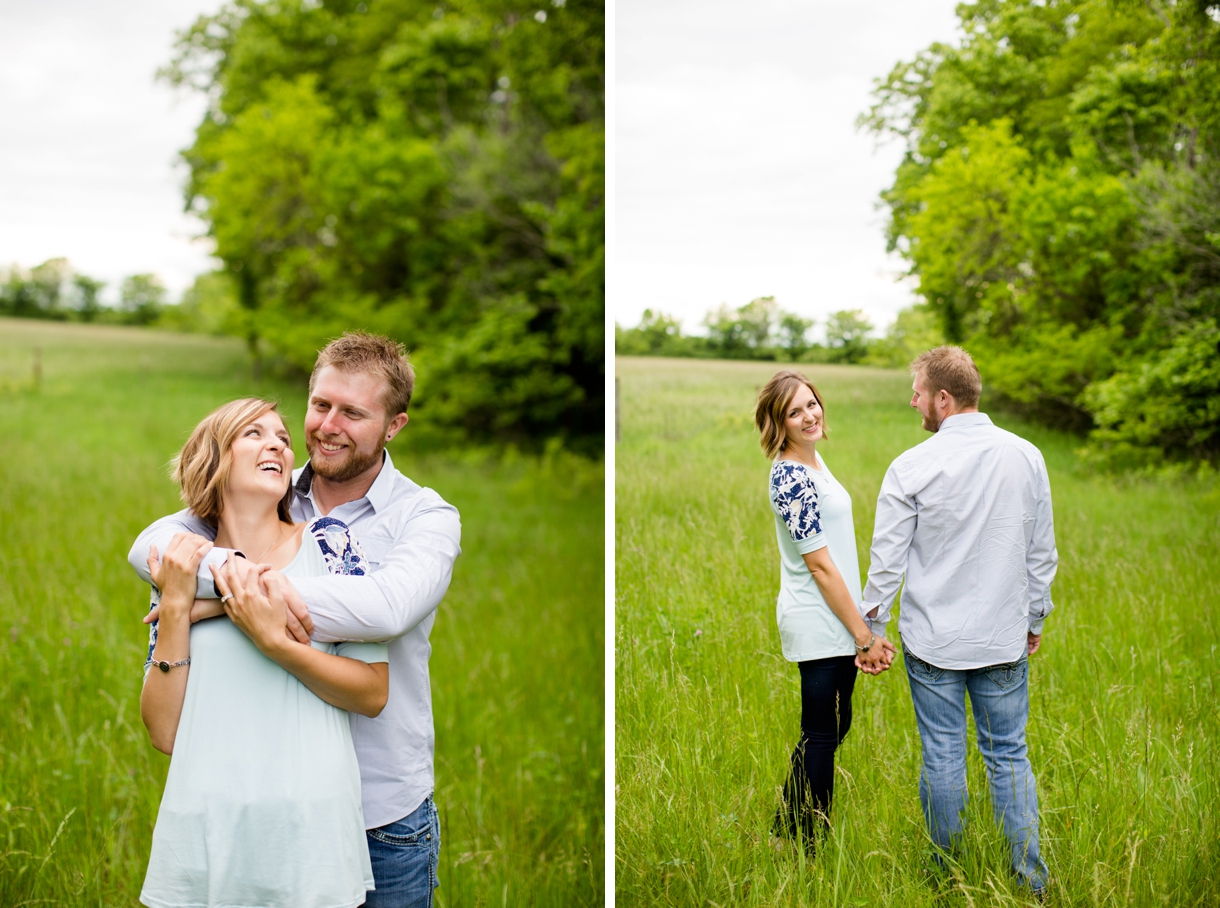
[880, 656]
[257, 599]
[299, 622]
[296, 614]
[247, 604]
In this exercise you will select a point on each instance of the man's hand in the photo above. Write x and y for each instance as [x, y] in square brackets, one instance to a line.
[300, 624]
[880, 656]
[281, 592]
[239, 583]
[1035, 641]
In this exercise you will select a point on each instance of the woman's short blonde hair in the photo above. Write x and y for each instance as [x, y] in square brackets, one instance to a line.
[201, 468]
[773, 401]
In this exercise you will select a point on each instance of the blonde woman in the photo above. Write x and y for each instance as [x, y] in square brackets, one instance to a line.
[817, 611]
[262, 801]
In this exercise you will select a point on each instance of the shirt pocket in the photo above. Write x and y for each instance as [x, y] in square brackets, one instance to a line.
[376, 548]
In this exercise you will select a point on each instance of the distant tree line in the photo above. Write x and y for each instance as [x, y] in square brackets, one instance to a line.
[761, 330]
[55, 290]
[1059, 202]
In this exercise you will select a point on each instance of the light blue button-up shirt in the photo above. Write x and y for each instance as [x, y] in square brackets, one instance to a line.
[966, 519]
[411, 537]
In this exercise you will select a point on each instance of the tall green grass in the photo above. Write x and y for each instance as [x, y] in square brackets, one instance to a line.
[1123, 731]
[517, 663]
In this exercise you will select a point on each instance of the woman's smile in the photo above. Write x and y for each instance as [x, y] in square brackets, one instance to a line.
[263, 447]
[803, 418]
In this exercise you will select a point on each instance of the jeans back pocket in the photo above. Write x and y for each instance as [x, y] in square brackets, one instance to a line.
[1008, 674]
[922, 669]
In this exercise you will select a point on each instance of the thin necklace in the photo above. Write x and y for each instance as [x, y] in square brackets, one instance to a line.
[278, 540]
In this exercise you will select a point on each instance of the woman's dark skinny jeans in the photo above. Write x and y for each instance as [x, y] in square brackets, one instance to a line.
[826, 688]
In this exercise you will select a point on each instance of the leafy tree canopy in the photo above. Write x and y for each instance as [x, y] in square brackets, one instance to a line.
[431, 172]
[1059, 201]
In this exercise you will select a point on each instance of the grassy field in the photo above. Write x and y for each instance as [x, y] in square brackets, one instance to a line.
[1124, 733]
[517, 667]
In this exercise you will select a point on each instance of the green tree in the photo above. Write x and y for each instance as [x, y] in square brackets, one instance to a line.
[794, 334]
[141, 298]
[432, 173]
[209, 306]
[1057, 195]
[657, 334]
[87, 297]
[49, 285]
[744, 332]
[915, 330]
[847, 334]
[17, 293]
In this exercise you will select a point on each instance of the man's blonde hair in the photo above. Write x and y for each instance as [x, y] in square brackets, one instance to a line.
[951, 369]
[773, 400]
[202, 467]
[357, 352]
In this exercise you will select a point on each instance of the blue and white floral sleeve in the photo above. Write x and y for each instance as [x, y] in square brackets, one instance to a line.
[341, 552]
[343, 556]
[794, 497]
[152, 628]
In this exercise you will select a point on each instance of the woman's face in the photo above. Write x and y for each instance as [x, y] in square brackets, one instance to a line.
[803, 418]
[262, 460]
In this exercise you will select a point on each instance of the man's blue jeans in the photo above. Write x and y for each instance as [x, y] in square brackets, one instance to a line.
[405, 855]
[999, 697]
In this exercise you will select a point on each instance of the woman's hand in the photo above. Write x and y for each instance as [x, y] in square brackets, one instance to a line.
[249, 605]
[880, 656]
[176, 573]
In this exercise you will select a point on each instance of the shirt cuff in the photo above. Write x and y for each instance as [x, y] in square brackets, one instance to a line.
[1035, 626]
[811, 543]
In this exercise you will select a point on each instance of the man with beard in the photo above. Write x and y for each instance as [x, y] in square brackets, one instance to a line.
[966, 519]
[359, 392]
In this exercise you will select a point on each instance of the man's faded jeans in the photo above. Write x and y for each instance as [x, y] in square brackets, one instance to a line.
[999, 696]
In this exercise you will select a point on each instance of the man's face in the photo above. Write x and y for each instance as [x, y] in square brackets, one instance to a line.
[925, 402]
[346, 427]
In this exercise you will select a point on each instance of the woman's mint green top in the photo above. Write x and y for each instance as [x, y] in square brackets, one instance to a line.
[262, 803]
[812, 511]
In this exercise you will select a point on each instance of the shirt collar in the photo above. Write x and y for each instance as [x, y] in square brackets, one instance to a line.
[964, 421]
[378, 494]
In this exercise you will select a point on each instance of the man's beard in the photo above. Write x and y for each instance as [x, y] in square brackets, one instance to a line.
[930, 422]
[352, 466]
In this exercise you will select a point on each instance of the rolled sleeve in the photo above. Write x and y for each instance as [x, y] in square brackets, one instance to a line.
[1042, 558]
[403, 590]
[364, 652]
[893, 530]
[161, 534]
[811, 543]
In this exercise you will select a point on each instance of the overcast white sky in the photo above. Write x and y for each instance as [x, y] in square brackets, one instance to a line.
[739, 172]
[89, 142]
